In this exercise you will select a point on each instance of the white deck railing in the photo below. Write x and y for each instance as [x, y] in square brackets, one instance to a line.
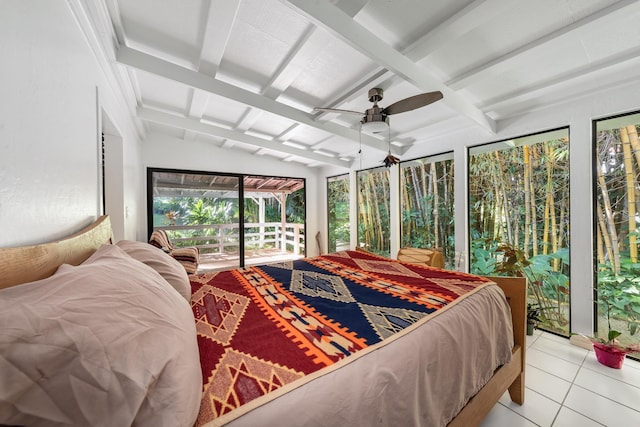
[225, 238]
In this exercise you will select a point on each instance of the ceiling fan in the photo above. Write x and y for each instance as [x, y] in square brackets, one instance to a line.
[376, 119]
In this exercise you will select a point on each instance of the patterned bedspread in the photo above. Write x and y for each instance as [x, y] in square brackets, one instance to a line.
[260, 328]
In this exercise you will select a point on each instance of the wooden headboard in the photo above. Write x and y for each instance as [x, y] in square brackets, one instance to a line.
[29, 263]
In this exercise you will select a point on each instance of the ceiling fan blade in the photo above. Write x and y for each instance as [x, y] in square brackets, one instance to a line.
[413, 102]
[336, 110]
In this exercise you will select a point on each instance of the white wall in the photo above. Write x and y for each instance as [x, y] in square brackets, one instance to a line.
[50, 87]
[161, 151]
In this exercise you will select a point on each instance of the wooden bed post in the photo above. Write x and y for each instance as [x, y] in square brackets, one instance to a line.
[515, 289]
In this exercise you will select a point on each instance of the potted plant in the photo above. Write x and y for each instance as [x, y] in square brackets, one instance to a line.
[533, 317]
[609, 351]
[514, 262]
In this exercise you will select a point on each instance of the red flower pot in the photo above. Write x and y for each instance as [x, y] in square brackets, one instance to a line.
[609, 356]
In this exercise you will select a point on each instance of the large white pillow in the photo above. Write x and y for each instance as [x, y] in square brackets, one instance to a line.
[170, 269]
[108, 342]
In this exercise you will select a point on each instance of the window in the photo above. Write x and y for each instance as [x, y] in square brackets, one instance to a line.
[373, 210]
[519, 200]
[617, 199]
[427, 205]
[338, 213]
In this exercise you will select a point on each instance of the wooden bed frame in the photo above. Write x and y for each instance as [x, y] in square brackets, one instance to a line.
[26, 264]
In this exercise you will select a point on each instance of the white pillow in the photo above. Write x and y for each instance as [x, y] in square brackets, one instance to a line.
[170, 269]
[108, 342]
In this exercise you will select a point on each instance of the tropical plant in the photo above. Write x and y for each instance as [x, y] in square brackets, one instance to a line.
[619, 302]
[546, 287]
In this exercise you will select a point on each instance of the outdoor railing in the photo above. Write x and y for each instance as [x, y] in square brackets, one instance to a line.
[225, 238]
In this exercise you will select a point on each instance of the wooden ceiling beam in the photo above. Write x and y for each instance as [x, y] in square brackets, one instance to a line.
[159, 67]
[342, 25]
[503, 63]
[194, 125]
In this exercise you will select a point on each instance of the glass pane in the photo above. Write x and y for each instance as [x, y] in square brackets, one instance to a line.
[199, 210]
[519, 218]
[617, 199]
[274, 219]
[373, 211]
[338, 207]
[427, 205]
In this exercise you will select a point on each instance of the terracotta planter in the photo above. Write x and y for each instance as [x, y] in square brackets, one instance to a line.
[611, 357]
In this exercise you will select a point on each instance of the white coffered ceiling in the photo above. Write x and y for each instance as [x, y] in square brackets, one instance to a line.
[246, 74]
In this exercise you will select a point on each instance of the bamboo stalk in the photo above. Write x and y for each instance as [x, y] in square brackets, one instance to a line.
[610, 225]
[631, 191]
[532, 206]
[436, 203]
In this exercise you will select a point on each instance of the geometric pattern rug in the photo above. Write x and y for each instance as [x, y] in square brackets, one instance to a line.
[260, 328]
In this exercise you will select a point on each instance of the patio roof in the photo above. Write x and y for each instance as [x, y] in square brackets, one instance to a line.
[176, 184]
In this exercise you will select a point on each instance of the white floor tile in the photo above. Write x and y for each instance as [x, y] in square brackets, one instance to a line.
[600, 409]
[610, 388]
[536, 408]
[561, 348]
[501, 416]
[628, 374]
[554, 337]
[635, 364]
[532, 338]
[552, 364]
[548, 385]
[561, 374]
[568, 418]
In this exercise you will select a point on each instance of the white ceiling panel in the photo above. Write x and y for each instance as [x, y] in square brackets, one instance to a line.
[246, 74]
[171, 29]
[328, 75]
[163, 93]
[224, 111]
[391, 22]
[269, 30]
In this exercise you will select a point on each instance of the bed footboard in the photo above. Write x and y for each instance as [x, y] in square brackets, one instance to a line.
[507, 377]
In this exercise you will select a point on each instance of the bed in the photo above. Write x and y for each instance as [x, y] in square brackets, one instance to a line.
[159, 369]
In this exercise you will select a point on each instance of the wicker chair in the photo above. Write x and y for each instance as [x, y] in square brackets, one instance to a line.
[187, 256]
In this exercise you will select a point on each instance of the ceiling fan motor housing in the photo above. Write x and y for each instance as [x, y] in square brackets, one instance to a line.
[375, 115]
[376, 94]
[375, 120]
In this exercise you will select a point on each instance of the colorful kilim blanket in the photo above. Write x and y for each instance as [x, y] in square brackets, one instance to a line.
[260, 328]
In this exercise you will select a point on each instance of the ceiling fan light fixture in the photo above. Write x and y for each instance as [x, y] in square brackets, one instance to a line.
[374, 127]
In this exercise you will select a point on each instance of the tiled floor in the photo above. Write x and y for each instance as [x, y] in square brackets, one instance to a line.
[567, 387]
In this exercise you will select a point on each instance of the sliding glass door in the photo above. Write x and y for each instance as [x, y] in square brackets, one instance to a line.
[234, 220]
[274, 219]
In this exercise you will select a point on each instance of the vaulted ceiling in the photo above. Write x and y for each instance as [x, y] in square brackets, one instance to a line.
[247, 74]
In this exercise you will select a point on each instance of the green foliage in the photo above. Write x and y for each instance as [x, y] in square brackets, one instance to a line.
[618, 296]
[547, 287]
[338, 206]
[428, 221]
[295, 209]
